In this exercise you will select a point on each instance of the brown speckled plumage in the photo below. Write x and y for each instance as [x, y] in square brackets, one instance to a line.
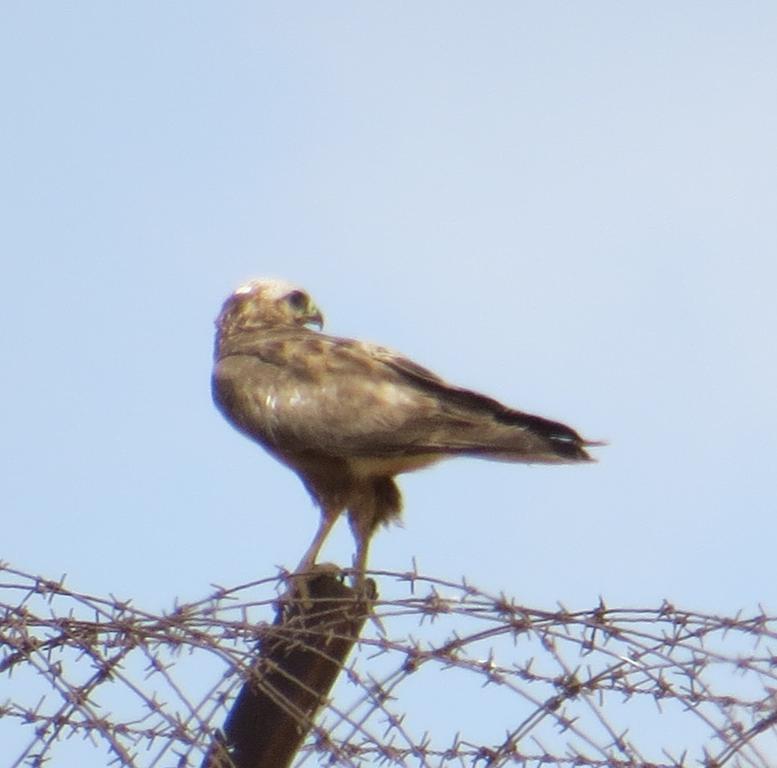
[348, 416]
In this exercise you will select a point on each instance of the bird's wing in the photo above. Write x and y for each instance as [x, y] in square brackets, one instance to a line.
[300, 391]
[496, 427]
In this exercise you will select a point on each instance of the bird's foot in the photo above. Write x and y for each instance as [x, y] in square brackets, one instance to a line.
[362, 585]
[366, 593]
[298, 592]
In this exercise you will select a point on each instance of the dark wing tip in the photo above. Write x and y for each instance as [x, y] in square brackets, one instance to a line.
[565, 441]
[571, 450]
[581, 454]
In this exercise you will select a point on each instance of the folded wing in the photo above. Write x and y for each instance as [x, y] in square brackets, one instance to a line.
[349, 399]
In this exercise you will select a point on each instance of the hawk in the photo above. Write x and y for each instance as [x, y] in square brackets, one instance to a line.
[348, 416]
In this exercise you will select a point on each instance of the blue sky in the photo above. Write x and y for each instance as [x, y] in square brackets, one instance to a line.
[568, 206]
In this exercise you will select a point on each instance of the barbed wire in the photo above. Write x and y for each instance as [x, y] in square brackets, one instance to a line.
[444, 674]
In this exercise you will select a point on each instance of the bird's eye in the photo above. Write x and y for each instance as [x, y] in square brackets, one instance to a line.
[297, 300]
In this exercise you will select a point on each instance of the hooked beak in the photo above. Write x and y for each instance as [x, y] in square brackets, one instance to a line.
[314, 317]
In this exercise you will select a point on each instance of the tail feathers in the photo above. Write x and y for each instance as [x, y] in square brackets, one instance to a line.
[565, 442]
[525, 443]
[523, 437]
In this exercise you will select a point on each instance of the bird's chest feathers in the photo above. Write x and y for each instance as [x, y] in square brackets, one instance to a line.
[255, 397]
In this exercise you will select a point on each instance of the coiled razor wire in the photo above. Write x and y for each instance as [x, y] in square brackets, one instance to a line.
[444, 674]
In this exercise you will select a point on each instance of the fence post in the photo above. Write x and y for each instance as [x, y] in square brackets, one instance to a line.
[296, 666]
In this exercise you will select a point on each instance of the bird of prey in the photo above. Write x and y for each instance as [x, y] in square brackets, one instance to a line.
[348, 416]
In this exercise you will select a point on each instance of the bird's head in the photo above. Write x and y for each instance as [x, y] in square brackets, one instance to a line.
[267, 303]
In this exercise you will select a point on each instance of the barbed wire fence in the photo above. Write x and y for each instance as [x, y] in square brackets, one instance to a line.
[442, 674]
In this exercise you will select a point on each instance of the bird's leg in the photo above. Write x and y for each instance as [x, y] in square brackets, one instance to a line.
[309, 558]
[360, 561]
[365, 588]
[362, 522]
[299, 586]
[380, 502]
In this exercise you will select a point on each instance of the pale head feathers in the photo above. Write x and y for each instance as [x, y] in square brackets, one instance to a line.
[267, 303]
